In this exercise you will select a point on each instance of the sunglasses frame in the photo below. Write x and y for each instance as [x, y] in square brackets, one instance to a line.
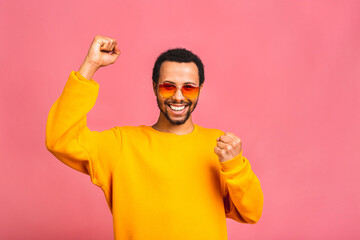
[181, 89]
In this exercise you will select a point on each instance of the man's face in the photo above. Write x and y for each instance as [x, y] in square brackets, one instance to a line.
[178, 74]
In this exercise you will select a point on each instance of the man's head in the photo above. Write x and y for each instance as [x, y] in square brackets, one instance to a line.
[178, 76]
[178, 55]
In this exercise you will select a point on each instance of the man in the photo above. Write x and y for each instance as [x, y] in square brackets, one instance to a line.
[172, 180]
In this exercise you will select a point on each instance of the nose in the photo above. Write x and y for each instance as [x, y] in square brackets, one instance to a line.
[178, 94]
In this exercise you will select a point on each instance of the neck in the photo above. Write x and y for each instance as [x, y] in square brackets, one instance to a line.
[163, 125]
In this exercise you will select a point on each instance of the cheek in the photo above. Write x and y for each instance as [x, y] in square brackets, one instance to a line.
[193, 102]
[161, 101]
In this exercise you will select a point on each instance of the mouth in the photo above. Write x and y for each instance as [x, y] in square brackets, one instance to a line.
[177, 109]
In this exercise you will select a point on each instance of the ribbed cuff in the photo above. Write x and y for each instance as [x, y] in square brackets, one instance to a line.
[234, 163]
[82, 78]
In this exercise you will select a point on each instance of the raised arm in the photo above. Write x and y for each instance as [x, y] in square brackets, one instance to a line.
[67, 136]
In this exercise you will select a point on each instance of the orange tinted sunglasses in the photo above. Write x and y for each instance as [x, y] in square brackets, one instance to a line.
[188, 91]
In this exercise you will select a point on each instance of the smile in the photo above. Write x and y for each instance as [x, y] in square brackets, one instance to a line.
[177, 109]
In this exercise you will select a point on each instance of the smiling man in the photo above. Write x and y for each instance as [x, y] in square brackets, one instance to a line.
[172, 180]
[169, 75]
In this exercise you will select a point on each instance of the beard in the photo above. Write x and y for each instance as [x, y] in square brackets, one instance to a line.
[177, 121]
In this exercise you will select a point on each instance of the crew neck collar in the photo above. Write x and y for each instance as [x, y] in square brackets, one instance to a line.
[173, 135]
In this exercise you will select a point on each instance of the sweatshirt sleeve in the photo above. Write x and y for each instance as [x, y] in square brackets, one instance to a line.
[69, 139]
[243, 199]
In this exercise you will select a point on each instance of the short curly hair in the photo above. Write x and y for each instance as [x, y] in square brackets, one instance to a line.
[178, 55]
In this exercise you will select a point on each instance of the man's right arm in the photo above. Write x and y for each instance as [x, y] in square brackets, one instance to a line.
[67, 136]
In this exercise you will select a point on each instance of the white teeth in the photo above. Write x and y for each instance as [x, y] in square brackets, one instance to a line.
[177, 108]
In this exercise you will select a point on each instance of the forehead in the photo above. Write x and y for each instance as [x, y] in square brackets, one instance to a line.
[179, 72]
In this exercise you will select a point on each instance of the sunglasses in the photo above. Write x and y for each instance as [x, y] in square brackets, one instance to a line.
[188, 91]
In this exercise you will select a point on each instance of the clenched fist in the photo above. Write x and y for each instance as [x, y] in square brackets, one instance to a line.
[228, 146]
[102, 52]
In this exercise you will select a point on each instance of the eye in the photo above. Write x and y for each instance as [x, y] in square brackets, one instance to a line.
[189, 87]
[168, 86]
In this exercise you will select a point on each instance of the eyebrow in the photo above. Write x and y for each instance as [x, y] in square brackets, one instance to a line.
[184, 83]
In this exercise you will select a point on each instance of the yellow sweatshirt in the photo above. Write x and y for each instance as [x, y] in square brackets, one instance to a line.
[157, 185]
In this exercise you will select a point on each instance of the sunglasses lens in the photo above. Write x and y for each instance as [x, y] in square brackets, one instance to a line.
[190, 91]
[167, 90]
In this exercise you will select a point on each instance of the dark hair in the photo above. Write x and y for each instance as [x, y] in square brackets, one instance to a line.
[178, 55]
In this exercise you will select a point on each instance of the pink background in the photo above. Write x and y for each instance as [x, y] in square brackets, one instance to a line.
[281, 75]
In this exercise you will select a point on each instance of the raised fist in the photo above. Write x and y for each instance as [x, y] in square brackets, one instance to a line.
[103, 51]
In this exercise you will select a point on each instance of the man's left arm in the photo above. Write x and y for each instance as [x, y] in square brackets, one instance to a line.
[243, 197]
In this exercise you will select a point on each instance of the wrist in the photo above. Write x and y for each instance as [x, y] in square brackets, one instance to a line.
[88, 69]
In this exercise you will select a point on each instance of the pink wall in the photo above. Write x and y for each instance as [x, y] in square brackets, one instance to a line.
[282, 75]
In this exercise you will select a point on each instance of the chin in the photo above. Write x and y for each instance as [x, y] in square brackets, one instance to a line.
[176, 121]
